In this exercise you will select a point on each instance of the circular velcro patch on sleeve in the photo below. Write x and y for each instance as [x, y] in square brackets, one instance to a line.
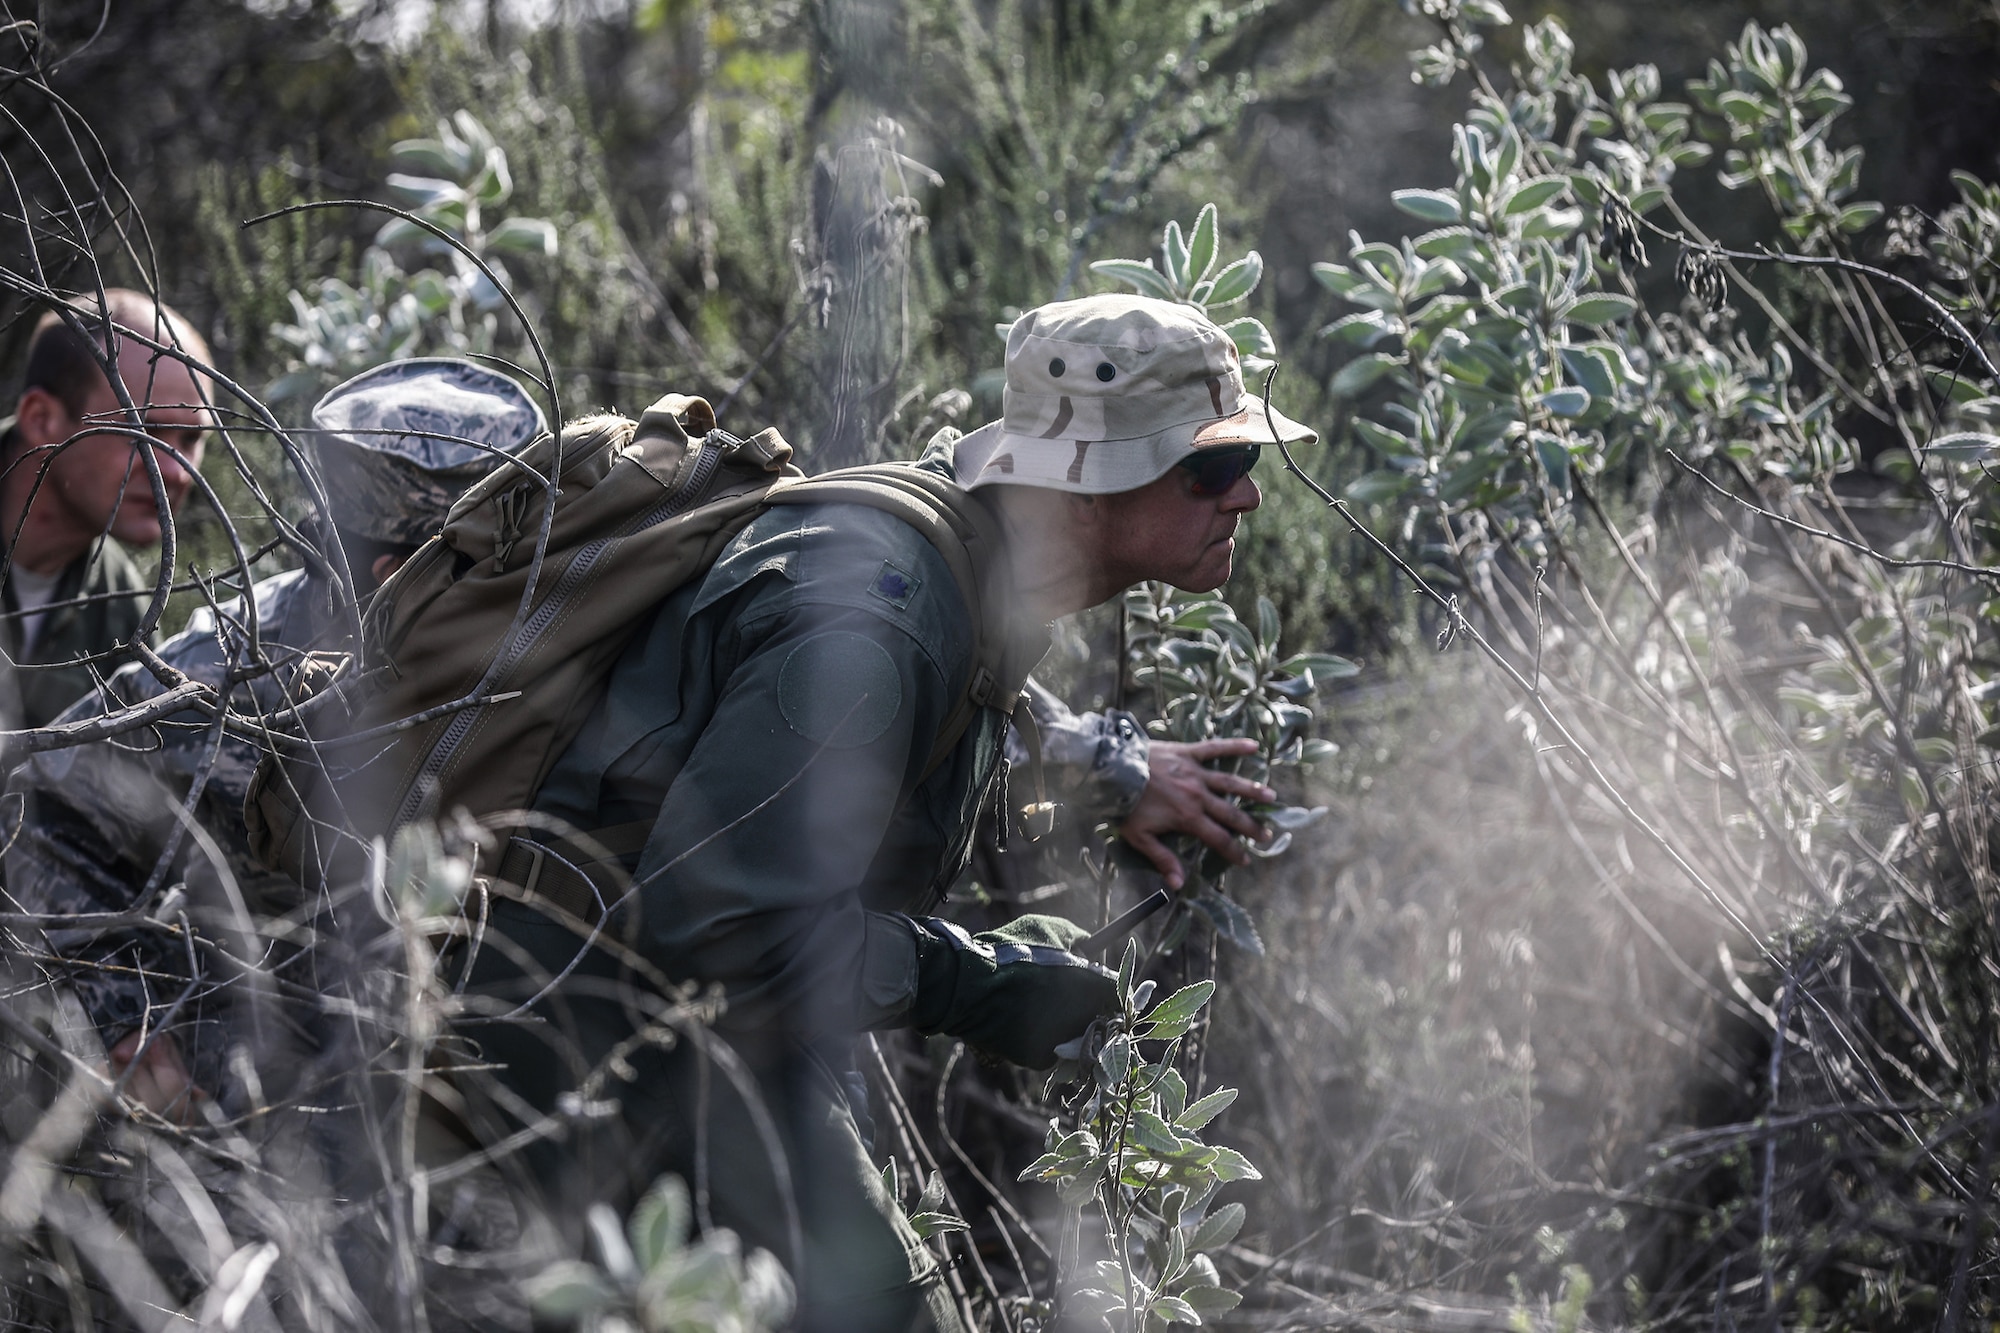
[839, 689]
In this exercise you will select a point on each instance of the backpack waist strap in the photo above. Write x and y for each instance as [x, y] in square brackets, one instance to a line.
[538, 875]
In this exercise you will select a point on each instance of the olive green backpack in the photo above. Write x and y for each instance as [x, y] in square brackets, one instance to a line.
[486, 652]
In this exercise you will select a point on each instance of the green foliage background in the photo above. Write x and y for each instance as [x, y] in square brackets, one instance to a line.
[813, 212]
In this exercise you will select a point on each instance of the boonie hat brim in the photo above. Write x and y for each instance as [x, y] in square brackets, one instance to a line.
[991, 455]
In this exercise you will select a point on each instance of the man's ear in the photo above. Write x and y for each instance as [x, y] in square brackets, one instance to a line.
[1086, 511]
[42, 418]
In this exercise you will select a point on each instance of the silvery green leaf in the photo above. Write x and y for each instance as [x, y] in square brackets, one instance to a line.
[660, 1221]
[1294, 817]
[1228, 1165]
[1430, 205]
[1202, 245]
[1205, 1110]
[1954, 385]
[1321, 666]
[1250, 336]
[432, 156]
[536, 236]
[612, 1247]
[1150, 1131]
[1174, 253]
[1599, 308]
[1338, 278]
[1554, 458]
[932, 1197]
[1178, 1009]
[1218, 1228]
[1963, 446]
[1237, 281]
[568, 1290]
[1591, 368]
[1174, 1310]
[422, 189]
[1142, 993]
[494, 183]
[1533, 194]
[1200, 615]
[1359, 375]
[1277, 846]
[1209, 1299]
[1230, 921]
[1143, 277]
[1378, 487]
[927, 1225]
[1569, 401]
[1268, 624]
[1551, 223]
[1115, 1060]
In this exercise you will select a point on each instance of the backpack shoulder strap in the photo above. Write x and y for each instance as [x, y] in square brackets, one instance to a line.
[966, 534]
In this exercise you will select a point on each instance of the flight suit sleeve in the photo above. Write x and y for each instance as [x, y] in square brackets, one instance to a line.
[752, 875]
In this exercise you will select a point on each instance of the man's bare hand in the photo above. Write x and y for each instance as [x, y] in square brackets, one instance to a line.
[1183, 797]
[160, 1081]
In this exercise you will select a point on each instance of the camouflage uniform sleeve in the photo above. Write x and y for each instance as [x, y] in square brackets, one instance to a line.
[93, 820]
[96, 820]
[1094, 763]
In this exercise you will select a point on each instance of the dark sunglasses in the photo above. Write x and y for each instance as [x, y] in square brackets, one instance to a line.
[1216, 470]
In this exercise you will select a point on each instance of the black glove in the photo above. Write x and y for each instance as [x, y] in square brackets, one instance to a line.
[1016, 992]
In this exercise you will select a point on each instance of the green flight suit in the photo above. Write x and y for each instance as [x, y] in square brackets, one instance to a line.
[772, 724]
[118, 596]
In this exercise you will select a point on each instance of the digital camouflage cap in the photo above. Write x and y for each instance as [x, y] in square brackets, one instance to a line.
[399, 443]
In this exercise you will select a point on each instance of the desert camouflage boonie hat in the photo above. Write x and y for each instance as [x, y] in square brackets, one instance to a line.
[1107, 393]
[399, 443]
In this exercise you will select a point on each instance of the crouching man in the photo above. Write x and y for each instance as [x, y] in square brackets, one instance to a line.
[769, 733]
[102, 830]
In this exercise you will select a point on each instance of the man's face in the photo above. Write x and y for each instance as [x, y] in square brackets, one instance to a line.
[1165, 531]
[97, 481]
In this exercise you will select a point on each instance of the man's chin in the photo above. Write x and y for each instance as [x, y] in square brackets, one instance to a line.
[135, 530]
[1206, 579]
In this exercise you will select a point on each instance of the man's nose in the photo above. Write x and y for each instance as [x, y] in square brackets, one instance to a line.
[174, 475]
[1243, 496]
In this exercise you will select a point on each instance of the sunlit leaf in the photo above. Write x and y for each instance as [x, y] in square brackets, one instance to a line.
[1202, 244]
[1430, 205]
[1599, 308]
[1201, 1112]
[1963, 447]
[534, 236]
[1218, 1228]
[1360, 374]
[1144, 278]
[1237, 281]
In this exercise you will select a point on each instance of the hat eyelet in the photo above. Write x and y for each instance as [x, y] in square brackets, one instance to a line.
[1106, 371]
[1056, 367]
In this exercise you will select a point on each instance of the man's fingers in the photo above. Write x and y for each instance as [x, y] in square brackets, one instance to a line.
[1232, 784]
[1156, 851]
[1222, 839]
[1222, 747]
[1238, 820]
